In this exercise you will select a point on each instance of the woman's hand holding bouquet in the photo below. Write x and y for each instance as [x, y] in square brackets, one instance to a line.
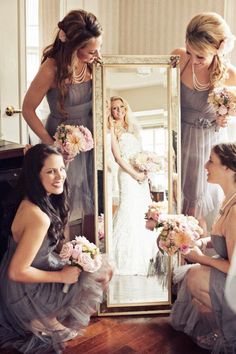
[223, 100]
[146, 161]
[82, 254]
[73, 139]
[176, 232]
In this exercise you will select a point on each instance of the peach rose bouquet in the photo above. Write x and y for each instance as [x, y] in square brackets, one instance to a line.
[223, 100]
[175, 232]
[73, 139]
[81, 253]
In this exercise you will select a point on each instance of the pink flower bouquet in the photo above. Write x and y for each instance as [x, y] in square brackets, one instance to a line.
[81, 253]
[176, 232]
[101, 231]
[72, 139]
[146, 161]
[223, 101]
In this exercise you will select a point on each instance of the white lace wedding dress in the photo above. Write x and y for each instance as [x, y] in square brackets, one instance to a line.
[132, 246]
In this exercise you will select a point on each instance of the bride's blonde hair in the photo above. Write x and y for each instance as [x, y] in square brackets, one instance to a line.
[128, 125]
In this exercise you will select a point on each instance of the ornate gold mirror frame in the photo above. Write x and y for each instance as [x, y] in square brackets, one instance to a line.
[150, 84]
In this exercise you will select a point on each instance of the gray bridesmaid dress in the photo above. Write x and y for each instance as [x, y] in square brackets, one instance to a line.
[80, 174]
[199, 133]
[214, 330]
[21, 304]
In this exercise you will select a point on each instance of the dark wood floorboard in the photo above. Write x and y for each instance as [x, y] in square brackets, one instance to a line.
[128, 335]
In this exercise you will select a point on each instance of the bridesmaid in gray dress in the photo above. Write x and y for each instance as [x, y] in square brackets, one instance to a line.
[36, 316]
[201, 309]
[203, 66]
[64, 78]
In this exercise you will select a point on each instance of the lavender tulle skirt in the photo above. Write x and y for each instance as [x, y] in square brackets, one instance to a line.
[26, 308]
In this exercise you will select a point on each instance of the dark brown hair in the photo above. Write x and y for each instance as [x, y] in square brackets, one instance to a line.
[227, 155]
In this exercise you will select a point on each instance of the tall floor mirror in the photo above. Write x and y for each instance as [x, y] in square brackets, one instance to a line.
[148, 87]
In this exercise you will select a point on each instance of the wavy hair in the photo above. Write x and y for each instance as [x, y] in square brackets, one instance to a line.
[79, 27]
[227, 155]
[129, 125]
[30, 186]
[205, 33]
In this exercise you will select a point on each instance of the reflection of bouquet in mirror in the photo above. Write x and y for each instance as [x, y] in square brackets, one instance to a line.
[73, 139]
[101, 232]
[81, 253]
[175, 232]
[147, 161]
[223, 100]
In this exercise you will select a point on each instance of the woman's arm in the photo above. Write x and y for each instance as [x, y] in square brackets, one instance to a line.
[203, 243]
[43, 81]
[229, 232]
[138, 176]
[196, 256]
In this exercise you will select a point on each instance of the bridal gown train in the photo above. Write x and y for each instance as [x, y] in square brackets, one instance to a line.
[133, 246]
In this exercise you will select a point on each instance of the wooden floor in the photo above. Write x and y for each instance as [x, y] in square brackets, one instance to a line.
[127, 335]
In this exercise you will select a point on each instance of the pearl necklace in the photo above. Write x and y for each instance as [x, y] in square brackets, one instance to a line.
[197, 85]
[222, 209]
[80, 77]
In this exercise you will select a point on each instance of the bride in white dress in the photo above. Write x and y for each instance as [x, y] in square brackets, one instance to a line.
[132, 245]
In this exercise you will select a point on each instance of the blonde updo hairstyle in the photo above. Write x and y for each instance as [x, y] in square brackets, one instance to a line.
[205, 33]
[128, 125]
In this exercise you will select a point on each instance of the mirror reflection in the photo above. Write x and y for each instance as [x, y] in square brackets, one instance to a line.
[139, 149]
[135, 133]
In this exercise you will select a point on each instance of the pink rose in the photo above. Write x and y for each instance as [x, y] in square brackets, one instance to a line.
[222, 110]
[87, 137]
[66, 251]
[76, 252]
[87, 263]
[150, 224]
[153, 214]
[184, 249]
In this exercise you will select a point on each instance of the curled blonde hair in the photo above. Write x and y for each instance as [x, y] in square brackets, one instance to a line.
[128, 125]
[205, 33]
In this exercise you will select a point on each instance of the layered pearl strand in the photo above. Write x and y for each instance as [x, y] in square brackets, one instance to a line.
[197, 85]
[78, 78]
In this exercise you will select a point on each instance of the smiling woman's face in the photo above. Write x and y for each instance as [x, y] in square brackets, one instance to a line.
[91, 51]
[118, 110]
[215, 169]
[53, 174]
[198, 58]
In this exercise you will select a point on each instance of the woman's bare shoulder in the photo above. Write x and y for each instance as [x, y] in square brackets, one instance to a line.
[184, 57]
[48, 69]
[179, 51]
[29, 212]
